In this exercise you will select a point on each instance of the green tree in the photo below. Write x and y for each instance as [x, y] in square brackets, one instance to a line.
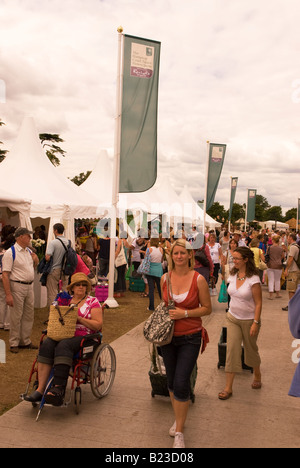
[48, 139]
[261, 207]
[274, 213]
[290, 214]
[238, 212]
[3, 153]
[218, 212]
[79, 179]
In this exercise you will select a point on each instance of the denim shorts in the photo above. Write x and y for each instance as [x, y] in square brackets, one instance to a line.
[180, 358]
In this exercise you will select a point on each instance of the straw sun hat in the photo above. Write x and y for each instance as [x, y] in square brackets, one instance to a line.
[79, 278]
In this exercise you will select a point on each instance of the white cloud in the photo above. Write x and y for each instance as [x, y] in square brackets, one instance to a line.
[229, 74]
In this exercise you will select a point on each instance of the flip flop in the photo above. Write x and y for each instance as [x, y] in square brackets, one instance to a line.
[224, 395]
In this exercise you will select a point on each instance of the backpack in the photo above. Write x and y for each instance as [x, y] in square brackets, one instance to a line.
[69, 261]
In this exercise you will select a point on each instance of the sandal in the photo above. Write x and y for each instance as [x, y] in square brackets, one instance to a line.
[35, 397]
[55, 396]
[256, 385]
[224, 395]
[144, 295]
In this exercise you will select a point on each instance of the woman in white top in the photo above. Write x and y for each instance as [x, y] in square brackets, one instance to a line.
[156, 270]
[243, 319]
[216, 255]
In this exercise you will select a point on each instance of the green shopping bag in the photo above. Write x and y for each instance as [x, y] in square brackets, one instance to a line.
[223, 296]
[129, 272]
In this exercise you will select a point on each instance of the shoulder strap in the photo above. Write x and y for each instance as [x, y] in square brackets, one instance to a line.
[169, 286]
[13, 252]
[63, 243]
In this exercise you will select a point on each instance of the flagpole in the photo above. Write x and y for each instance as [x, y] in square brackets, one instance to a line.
[206, 186]
[229, 220]
[246, 212]
[111, 302]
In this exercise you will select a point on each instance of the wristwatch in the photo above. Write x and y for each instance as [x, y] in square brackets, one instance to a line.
[255, 321]
[186, 314]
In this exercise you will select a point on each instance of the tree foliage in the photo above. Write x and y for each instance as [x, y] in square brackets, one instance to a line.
[53, 151]
[3, 153]
[263, 212]
[79, 179]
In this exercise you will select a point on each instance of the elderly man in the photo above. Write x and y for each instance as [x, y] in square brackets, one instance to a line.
[18, 274]
[237, 236]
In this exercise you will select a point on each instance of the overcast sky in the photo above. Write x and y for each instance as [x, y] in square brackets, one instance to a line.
[229, 73]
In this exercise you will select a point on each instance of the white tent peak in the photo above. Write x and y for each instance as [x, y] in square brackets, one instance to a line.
[28, 172]
[198, 214]
[99, 182]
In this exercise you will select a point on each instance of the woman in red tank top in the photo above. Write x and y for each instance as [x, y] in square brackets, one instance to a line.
[192, 299]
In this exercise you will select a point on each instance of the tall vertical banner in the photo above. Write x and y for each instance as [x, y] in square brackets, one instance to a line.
[138, 145]
[298, 215]
[234, 184]
[251, 205]
[216, 158]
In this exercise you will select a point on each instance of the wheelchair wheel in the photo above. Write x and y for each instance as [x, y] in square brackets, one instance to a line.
[77, 399]
[103, 370]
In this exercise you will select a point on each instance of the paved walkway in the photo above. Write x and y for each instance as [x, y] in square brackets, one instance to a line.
[130, 418]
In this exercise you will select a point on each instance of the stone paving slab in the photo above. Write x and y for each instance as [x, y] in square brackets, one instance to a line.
[130, 418]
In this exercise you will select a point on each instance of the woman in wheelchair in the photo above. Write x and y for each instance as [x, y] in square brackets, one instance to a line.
[59, 355]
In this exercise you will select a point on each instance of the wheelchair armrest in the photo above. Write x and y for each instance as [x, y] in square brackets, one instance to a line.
[88, 345]
[95, 337]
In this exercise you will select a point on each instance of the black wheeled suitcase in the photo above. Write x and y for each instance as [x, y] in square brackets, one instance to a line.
[158, 377]
[222, 349]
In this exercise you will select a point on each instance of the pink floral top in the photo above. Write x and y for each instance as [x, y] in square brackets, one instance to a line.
[85, 312]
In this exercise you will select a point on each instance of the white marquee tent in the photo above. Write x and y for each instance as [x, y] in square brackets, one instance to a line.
[160, 199]
[16, 205]
[196, 212]
[29, 173]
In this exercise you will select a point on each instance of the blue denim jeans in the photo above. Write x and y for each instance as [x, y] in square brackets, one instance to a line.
[152, 280]
[180, 357]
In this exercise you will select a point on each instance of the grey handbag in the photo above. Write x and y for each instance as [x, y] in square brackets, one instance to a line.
[159, 328]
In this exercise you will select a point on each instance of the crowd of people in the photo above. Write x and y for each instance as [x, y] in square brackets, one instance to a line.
[185, 270]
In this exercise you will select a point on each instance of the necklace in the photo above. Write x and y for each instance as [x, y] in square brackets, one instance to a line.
[241, 279]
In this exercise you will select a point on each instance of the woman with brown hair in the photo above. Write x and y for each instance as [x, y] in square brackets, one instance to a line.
[192, 300]
[243, 319]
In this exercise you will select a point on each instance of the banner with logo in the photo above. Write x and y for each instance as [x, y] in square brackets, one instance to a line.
[298, 216]
[216, 158]
[234, 183]
[251, 205]
[138, 145]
